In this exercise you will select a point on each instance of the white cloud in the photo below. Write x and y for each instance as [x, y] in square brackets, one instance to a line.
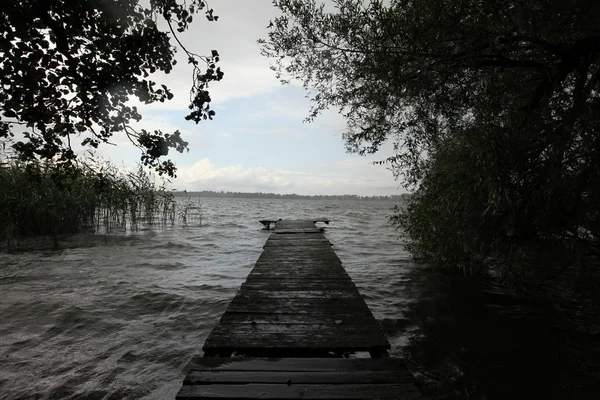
[241, 23]
[334, 178]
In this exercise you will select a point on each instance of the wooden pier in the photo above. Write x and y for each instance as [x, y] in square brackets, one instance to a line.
[292, 321]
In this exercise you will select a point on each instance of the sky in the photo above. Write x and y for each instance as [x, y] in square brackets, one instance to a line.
[258, 140]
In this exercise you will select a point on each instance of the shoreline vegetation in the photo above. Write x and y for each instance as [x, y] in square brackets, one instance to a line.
[49, 199]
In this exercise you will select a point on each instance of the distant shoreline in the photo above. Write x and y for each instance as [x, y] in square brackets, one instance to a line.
[257, 195]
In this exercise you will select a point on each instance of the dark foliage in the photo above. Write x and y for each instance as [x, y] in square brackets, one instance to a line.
[69, 67]
[493, 109]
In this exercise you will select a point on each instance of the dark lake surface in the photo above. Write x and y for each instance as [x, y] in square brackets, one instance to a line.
[119, 315]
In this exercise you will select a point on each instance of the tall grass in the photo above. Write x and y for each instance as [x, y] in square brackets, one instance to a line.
[45, 198]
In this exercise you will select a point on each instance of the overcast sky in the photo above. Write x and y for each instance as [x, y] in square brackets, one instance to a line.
[258, 140]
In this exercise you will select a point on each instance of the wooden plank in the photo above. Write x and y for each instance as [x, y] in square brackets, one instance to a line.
[296, 236]
[291, 265]
[297, 274]
[300, 235]
[295, 293]
[325, 249]
[323, 319]
[292, 231]
[308, 251]
[278, 255]
[297, 279]
[309, 337]
[323, 342]
[320, 265]
[275, 254]
[300, 254]
[299, 306]
[284, 264]
[303, 243]
[405, 391]
[281, 280]
[294, 224]
[296, 345]
[283, 260]
[284, 332]
[296, 221]
[300, 294]
[342, 284]
[296, 364]
[292, 241]
[329, 268]
[294, 270]
[298, 377]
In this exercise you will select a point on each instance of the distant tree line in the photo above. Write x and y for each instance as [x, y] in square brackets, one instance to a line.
[261, 195]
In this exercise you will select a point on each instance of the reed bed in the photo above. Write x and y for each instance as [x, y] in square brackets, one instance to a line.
[49, 199]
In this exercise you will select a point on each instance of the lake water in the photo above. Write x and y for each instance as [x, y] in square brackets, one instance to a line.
[120, 315]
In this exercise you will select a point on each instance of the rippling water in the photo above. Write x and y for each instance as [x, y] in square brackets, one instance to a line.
[119, 316]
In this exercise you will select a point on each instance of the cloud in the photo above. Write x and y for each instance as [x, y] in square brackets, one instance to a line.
[332, 178]
[241, 23]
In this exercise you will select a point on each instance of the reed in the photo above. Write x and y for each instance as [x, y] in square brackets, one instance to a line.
[50, 199]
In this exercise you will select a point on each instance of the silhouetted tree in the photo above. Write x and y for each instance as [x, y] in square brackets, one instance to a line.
[493, 108]
[69, 67]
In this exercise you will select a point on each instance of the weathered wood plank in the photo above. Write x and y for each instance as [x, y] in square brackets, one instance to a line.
[305, 319]
[274, 344]
[299, 306]
[278, 256]
[285, 263]
[330, 266]
[300, 253]
[294, 225]
[196, 377]
[297, 235]
[259, 275]
[302, 243]
[327, 337]
[327, 269]
[309, 251]
[299, 294]
[296, 364]
[303, 257]
[292, 267]
[345, 328]
[307, 233]
[404, 391]
[272, 284]
[286, 231]
[306, 264]
[297, 279]
[304, 252]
